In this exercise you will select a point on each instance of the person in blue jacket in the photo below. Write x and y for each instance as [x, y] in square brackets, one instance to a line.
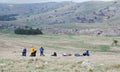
[42, 51]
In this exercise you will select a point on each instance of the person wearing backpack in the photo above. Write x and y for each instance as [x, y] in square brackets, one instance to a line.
[32, 49]
[41, 51]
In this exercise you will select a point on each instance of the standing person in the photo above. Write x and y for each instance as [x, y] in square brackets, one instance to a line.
[24, 52]
[42, 51]
[32, 49]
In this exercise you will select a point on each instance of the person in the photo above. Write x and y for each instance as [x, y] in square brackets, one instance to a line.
[41, 51]
[84, 54]
[54, 54]
[34, 53]
[24, 52]
[32, 49]
[87, 53]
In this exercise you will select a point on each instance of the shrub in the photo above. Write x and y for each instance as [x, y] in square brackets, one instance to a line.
[29, 31]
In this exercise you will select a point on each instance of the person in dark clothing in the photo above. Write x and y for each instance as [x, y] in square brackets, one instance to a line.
[87, 53]
[54, 54]
[33, 54]
[42, 51]
[24, 52]
[84, 54]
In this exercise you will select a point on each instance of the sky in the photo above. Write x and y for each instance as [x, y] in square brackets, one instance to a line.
[39, 1]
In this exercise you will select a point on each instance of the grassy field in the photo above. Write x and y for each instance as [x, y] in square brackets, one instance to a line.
[104, 57]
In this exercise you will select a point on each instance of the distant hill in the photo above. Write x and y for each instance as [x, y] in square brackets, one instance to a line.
[64, 12]
[87, 12]
[29, 9]
[63, 17]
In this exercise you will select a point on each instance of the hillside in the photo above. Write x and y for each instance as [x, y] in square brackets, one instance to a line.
[87, 12]
[28, 9]
[63, 12]
[64, 17]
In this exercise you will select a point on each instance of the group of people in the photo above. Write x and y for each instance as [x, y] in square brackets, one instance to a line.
[33, 51]
[41, 49]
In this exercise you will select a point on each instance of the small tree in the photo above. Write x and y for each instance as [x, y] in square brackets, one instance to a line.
[115, 42]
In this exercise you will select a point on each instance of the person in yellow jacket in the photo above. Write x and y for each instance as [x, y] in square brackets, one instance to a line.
[33, 51]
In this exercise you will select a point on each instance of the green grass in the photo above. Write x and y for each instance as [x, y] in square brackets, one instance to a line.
[104, 48]
[63, 41]
[6, 31]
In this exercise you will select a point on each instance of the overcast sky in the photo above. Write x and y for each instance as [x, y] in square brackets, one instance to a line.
[38, 1]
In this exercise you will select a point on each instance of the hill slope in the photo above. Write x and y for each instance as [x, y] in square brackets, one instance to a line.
[64, 12]
[64, 17]
[87, 12]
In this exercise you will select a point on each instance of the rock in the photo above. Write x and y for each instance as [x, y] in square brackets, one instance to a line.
[46, 63]
[87, 64]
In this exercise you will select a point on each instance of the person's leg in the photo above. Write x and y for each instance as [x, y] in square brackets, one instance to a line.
[40, 53]
[25, 53]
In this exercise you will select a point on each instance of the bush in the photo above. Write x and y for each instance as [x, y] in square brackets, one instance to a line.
[29, 31]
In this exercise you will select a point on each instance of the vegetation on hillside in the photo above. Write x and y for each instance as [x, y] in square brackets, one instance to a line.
[29, 31]
[9, 17]
[87, 12]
